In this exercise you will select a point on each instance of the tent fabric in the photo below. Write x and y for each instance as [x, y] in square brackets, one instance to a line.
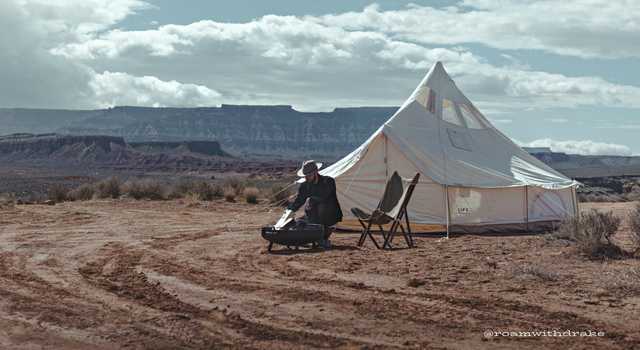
[467, 165]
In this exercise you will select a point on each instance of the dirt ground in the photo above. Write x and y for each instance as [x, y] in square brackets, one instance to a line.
[184, 275]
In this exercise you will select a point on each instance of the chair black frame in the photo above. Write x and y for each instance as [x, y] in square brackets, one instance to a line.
[379, 218]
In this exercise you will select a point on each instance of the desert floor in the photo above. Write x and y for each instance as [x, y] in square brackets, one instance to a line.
[175, 274]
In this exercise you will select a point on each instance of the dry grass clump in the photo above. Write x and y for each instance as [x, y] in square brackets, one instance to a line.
[229, 194]
[7, 201]
[181, 189]
[535, 272]
[145, 189]
[634, 224]
[251, 195]
[623, 282]
[207, 192]
[238, 185]
[592, 231]
[57, 193]
[600, 197]
[198, 190]
[633, 194]
[84, 192]
[109, 188]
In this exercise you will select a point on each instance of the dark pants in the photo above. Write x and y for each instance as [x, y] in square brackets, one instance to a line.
[312, 215]
[328, 230]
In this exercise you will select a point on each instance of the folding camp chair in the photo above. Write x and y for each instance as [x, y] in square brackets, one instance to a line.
[391, 209]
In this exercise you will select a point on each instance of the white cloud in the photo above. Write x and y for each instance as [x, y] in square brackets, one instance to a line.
[371, 57]
[558, 120]
[583, 147]
[592, 28]
[111, 89]
[31, 76]
[501, 121]
[322, 53]
[622, 126]
[69, 19]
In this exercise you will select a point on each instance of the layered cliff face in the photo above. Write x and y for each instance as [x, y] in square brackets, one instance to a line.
[210, 148]
[110, 151]
[25, 147]
[585, 167]
[277, 131]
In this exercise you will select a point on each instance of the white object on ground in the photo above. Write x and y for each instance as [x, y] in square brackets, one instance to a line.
[286, 217]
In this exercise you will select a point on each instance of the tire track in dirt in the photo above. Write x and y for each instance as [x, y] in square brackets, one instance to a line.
[478, 309]
[144, 275]
[119, 275]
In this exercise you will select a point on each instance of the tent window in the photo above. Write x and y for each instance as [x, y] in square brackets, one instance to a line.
[427, 98]
[449, 113]
[431, 103]
[422, 97]
[473, 122]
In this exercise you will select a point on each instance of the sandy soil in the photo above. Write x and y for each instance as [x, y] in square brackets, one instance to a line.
[167, 275]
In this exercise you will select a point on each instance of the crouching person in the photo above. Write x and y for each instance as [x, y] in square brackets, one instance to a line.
[318, 195]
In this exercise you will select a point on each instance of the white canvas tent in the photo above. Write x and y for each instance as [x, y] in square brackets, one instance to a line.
[473, 178]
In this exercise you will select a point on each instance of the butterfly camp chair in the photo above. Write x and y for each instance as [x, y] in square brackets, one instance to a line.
[392, 209]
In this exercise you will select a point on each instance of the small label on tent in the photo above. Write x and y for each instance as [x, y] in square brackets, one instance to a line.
[464, 211]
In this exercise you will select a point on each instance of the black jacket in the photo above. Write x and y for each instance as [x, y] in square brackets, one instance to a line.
[322, 205]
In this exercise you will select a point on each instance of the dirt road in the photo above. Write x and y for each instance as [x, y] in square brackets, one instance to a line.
[167, 275]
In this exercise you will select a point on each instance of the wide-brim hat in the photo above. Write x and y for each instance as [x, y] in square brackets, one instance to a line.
[309, 167]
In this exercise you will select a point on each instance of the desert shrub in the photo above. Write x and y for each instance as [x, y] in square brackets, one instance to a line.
[251, 195]
[207, 191]
[236, 184]
[634, 224]
[182, 188]
[109, 188]
[535, 272]
[84, 192]
[633, 194]
[592, 231]
[600, 197]
[7, 201]
[57, 193]
[175, 194]
[623, 282]
[145, 189]
[229, 194]
[218, 191]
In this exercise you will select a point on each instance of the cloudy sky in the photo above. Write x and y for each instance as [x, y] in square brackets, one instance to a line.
[547, 73]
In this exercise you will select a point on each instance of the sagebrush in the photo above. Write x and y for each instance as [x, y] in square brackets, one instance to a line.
[145, 189]
[109, 188]
[593, 232]
[83, 192]
[229, 194]
[634, 225]
[58, 193]
[251, 195]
